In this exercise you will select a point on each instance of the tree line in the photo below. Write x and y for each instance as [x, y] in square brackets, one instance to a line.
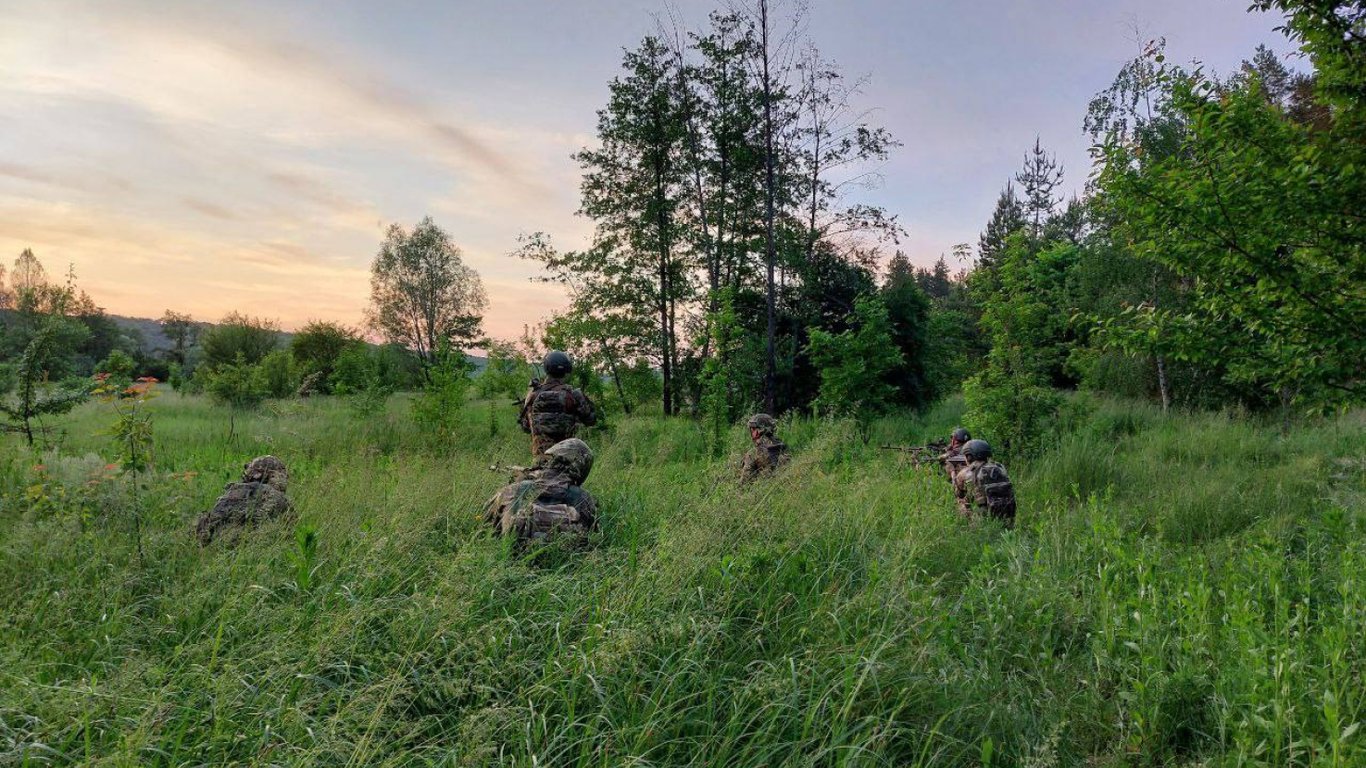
[1214, 258]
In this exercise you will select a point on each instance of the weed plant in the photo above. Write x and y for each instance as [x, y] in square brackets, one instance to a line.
[1180, 590]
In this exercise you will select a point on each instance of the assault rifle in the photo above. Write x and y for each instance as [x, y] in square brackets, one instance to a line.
[920, 454]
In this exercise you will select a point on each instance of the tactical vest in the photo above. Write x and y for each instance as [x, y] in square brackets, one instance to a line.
[554, 411]
[997, 491]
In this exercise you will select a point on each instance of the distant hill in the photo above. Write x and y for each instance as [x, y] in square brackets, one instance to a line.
[157, 344]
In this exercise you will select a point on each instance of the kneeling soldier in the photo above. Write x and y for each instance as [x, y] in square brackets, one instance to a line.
[768, 452]
[546, 498]
[983, 487]
[952, 460]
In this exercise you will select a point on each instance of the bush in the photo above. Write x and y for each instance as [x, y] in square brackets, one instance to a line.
[279, 374]
[239, 338]
[119, 366]
[1013, 413]
[240, 385]
[437, 409]
[318, 346]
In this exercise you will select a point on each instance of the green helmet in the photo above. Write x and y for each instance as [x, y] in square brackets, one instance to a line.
[977, 450]
[763, 423]
[557, 364]
[573, 457]
[961, 435]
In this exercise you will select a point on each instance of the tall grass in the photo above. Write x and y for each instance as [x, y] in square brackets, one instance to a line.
[1180, 590]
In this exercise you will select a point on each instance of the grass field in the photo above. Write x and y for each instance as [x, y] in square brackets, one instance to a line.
[1183, 590]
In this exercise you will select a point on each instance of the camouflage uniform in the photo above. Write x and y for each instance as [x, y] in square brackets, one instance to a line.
[768, 452]
[984, 490]
[258, 498]
[553, 412]
[953, 461]
[546, 498]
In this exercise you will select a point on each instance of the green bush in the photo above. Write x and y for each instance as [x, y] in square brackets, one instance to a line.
[279, 374]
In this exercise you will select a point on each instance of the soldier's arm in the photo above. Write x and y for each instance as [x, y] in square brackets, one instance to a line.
[588, 412]
[747, 466]
[524, 417]
[493, 510]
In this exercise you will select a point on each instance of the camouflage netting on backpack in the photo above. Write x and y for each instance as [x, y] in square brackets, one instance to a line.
[996, 488]
[538, 507]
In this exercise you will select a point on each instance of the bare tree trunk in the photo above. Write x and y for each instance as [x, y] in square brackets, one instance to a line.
[1163, 387]
[770, 247]
[616, 374]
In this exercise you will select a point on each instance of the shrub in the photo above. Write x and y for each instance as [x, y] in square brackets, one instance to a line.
[239, 338]
[279, 374]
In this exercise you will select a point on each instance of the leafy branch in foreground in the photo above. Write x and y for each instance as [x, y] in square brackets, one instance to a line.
[35, 397]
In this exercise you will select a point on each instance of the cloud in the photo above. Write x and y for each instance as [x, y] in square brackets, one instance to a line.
[212, 210]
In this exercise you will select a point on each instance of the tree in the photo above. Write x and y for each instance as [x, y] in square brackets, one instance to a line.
[506, 373]
[632, 189]
[34, 396]
[239, 385]
[317, 346]
[1259, 215]
[766, 53]
[855, 366]
[422, 293]
[239, 338]
[182, 331]
[1039, 180]
[1007, 219]
[1332, 32]
[908, 311]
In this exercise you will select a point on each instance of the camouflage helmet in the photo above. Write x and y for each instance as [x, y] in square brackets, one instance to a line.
[557, 364]
[573, 457]
[977, 450]
[763, 423]
[268, 470]
[961, 435]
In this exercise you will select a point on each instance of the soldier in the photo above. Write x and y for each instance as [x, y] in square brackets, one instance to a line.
[952, 460]
[983, 487]
[546, 498]
[258, 498]
[554, 410]
[768, 452]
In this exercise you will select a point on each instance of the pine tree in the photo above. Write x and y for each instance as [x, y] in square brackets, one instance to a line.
[1007, 219]
[1039, 180]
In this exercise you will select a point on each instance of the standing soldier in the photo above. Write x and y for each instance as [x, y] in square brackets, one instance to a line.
[952, 460]
[768, 452]
[553, 411]
[983, 487]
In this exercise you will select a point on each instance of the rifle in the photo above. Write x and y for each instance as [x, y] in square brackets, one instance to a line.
[920, 454]
[516, 470]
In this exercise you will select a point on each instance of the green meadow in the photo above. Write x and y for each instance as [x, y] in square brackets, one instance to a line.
[1182, 589]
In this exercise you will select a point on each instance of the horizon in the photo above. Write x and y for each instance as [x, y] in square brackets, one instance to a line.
[227, 157]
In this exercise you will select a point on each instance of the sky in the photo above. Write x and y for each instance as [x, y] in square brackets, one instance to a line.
[208, 157]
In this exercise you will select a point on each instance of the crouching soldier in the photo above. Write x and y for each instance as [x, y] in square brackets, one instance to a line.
[983, 487]
[553, 410]
[952, 460]
[546, 498]
[768, 452]
[260, 497]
